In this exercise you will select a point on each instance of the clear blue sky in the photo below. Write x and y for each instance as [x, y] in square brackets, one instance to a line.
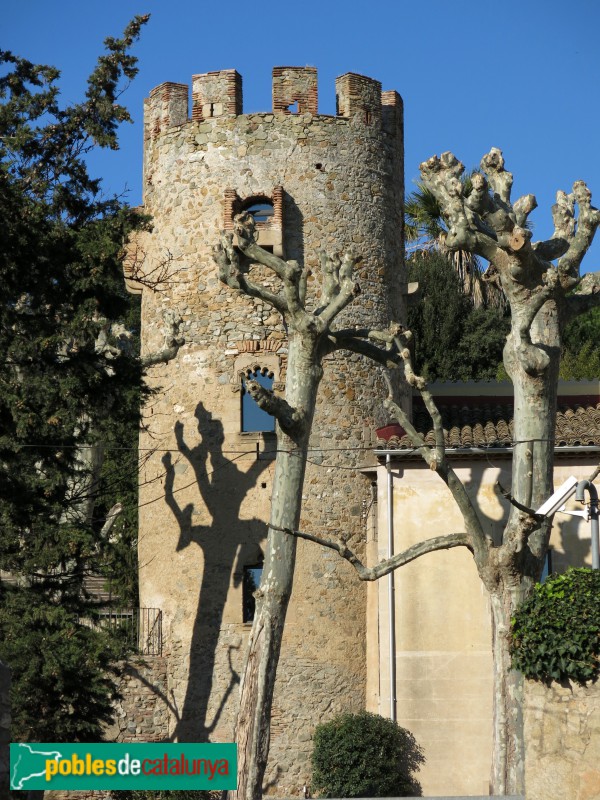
[522, 75]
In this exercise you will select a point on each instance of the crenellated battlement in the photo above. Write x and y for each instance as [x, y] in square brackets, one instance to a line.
[216, 94]
[295, 91]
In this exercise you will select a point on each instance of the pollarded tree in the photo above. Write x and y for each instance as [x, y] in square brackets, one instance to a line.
[311, 338]
[542, 298]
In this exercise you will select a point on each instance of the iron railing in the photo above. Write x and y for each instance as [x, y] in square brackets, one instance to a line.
[140, 627]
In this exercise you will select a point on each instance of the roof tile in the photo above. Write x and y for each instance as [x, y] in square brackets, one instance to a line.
[482, 424]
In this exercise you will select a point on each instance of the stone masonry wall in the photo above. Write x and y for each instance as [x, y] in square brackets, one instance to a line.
[562, 735]
[205, 494]
[142, 713]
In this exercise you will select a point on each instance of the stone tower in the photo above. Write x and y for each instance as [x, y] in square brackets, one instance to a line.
[313, 182]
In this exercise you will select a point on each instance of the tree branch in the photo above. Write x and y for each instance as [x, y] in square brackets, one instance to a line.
[508, 496]
[289, 418]
[466, 230]
[157, 278]
[523, 207]
[173, 341]
[550, 249]
[588, 221]
[357, 341]
[436, 457]
[594, 474]
[244, 226]
[390, 564]
[339, 289]
[586, 296]
[230, 273]
[290, 272]
[499, 179]
[111, 518]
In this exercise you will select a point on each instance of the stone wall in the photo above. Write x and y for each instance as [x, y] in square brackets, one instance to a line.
[562, 732]
[142, 713]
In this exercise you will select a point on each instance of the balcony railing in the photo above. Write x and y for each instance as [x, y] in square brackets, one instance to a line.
[140, 627]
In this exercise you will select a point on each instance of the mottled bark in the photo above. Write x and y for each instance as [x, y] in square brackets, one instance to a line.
[272, 598]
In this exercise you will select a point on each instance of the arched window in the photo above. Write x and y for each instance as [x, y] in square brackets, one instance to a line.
[251, 582]
[254, 419]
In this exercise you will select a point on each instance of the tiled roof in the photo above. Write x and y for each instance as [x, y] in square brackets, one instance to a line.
[480, 422]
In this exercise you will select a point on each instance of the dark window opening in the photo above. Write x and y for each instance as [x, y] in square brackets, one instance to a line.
[547, 569]
[368, 117]
[211, 112]
[254, 419]
[250, 583]
[262, 212]
[319, 166]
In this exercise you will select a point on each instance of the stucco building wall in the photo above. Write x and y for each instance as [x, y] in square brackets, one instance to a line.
[443, 631]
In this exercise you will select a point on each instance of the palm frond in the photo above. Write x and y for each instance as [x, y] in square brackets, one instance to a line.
[425, 229]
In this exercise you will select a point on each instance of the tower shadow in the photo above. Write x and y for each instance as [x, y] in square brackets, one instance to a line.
[227, 544]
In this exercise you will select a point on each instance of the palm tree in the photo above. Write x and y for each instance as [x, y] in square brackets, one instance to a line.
[425, 230]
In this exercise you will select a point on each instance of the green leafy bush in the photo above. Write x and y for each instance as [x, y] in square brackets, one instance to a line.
[556, 632]
[365, 755]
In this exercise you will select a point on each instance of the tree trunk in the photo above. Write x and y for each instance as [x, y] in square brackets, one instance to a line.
[256, 694]
[518, 563]
[508, 762]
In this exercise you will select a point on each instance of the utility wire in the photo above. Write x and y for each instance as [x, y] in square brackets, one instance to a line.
[374, 448]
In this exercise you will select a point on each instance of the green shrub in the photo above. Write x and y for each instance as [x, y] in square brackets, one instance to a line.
[556, 632]
[365, 755]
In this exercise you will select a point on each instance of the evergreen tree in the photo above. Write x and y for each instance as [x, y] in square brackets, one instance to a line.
[453, 340]
[66, 384]
[581, 348]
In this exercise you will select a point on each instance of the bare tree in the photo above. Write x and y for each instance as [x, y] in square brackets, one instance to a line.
[311, 338]
[542, 299]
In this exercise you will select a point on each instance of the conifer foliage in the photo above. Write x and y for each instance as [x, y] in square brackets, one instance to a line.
[65, 380]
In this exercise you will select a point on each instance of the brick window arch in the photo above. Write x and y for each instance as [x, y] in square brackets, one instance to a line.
[266, 207]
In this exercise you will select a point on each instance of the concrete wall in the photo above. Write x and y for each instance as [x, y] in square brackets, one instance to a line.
[443, 633]
[336, 182]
